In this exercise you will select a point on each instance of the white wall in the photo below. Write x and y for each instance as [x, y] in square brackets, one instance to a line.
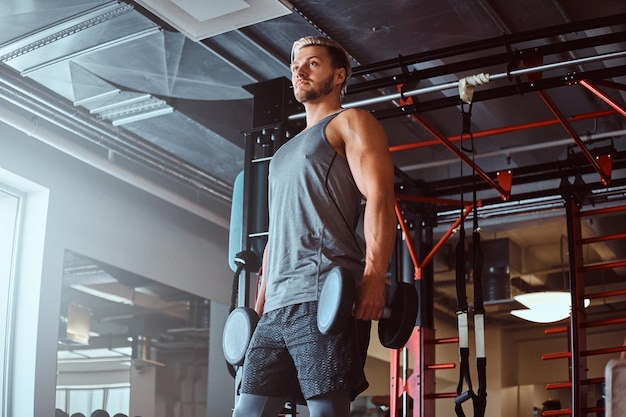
[94, 214]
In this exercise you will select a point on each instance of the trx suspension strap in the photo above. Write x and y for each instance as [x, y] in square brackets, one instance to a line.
[462, 307]
[479, 399]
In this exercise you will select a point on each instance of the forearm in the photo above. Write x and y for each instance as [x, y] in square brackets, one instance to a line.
[380, 233]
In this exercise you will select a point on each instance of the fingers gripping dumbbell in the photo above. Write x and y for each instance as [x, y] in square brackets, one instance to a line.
[336, 303]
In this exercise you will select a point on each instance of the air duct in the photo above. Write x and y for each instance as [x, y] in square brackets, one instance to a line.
[199, 19]
[502, 262]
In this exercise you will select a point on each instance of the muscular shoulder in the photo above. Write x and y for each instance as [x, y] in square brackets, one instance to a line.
[352, 125]
[353, 115]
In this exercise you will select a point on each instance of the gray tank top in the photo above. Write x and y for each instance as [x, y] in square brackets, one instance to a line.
[314, 207]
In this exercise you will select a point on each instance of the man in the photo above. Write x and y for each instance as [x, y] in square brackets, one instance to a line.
[317, 182]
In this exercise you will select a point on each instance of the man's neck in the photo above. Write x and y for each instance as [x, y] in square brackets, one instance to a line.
[319, 110]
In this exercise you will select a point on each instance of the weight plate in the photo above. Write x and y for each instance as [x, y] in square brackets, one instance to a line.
[395, 331]
[336, 301]
[238, 330]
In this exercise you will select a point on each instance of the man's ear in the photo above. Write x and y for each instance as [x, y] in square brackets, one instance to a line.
[341, 75]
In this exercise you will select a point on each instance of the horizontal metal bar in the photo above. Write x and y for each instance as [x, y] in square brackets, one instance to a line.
[607, 210]
[513, 89]
[556, 330]
[606, 294]
[441, 395]
[486, 61]
[440, 366]
[597, 239]
[443, 341]
[501, 130]
[600, 323]
[602, 266]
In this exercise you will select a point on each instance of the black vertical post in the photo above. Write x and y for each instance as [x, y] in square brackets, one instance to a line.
[577, 338]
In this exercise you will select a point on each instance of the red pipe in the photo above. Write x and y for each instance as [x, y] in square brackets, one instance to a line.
[564, 355]
[395, 385]
[441, 366]
[605, 210]
[604, 177]
[559, 355]
[555, 330]
[603, 351]
[563, 385]
[440, 395]
[602, 266]
[409, 243]
[446, 235]
[559, 385]
[593, 381]
[417, 264]
[603, 96]
[501, 130]
[602, 238]
[605, 294]
[564, 412]
[607, 322]
[446, 340]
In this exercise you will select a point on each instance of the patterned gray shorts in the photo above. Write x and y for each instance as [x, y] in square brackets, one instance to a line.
[289, 357]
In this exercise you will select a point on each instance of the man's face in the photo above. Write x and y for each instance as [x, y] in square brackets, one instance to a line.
[312, 75]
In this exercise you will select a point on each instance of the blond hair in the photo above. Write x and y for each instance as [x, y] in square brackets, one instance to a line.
[339, 57]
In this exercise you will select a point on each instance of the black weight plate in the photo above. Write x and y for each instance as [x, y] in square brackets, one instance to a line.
[336, 301]
[238, 330]
[395, 331]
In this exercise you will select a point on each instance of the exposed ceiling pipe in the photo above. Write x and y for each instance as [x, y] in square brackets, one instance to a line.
[36, 128]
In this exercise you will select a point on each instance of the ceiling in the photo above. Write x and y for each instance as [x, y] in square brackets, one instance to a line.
[139, 87]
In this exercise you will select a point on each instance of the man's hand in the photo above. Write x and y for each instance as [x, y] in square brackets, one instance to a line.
[370, 298]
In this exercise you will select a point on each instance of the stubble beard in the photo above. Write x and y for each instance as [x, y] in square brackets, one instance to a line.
[315, 93]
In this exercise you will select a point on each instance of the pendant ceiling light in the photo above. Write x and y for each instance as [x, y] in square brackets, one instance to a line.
[545, 307]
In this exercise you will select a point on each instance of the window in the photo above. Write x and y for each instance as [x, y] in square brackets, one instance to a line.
[9, 226]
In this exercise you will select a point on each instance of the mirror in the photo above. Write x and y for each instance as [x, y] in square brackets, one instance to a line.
[129, 345]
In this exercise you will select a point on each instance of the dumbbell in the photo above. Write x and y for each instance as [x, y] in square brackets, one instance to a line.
[336, 303]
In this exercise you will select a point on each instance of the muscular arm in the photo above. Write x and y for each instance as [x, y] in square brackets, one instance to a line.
[367, 153]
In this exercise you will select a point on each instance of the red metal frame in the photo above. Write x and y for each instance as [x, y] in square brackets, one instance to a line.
[422, 342]
[603, 96]
[605, 177]
[416, 262]
[505, 193]
[577, 354]
[502, 130]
